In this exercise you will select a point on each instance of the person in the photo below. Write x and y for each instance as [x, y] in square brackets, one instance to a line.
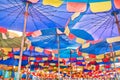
[1, 74]
[23, 77]
[7, 75]
[30, 77]
[12, 75]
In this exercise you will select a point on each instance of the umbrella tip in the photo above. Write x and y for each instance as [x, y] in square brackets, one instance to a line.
[30, 1]
[33, 1]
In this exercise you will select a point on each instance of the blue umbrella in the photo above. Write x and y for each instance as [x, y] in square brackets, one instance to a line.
[55, 40]
[24, 15]
[100, 25]
[82, 34]
[48, 40]
[13, 62]
[101, 48]
[32, 53]
[51, 38]
[39, 16]
[67, 54]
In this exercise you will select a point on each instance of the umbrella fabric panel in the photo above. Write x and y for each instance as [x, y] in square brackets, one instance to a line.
[47, 41]
[11, 43]
[67, 54]
[51, 31]
[101, 48]
[31, 53]
[39, 16]
[13, 62]
[82, 34]
[100, 25]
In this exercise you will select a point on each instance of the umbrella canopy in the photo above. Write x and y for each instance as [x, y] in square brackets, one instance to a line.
[101, 24]
[13, 62]
[40, 15]
[32, 53]
[10, 43]
[9, 39]
[81, 34]
[101, 48]
[45, 41]
[67, 54]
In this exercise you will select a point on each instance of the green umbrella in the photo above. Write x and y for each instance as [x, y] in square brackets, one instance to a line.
[1, 54]
[9, 42]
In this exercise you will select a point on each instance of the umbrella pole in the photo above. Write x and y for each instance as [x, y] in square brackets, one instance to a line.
[117, 22]
[113, 55]
[29, 66]
[23, 40]
[58, 41]
[70, 67]
[104, 68]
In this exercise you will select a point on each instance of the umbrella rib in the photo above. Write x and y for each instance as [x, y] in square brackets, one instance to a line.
[54, 10]
[18, 3]
[6, 43]
[33, 19]
[17, 42]
[12, 12]
[14, 3]
[17, 17]
[82, 26]
[92, 17]
[49, 13]
[9, 7]
[112, 26]
[102, 16]
[97, 24]
[103, 25]
[104, 30]
[93, 26]
[92, 20]
[43, 8]
[40, 18]
[53, 42]
[44, 16]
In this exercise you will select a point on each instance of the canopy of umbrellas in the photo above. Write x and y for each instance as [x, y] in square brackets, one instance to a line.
[43, 62]
[79, 38]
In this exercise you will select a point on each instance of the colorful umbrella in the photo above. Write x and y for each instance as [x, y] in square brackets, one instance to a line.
[47, 41]
[40, 16]
[9, 39]
[56, 38]
[67, 54]
[13, 62]
[101, 48]
[50, 37]
[19, 14]
[100, 24]
[33, 53]
[10, 43]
